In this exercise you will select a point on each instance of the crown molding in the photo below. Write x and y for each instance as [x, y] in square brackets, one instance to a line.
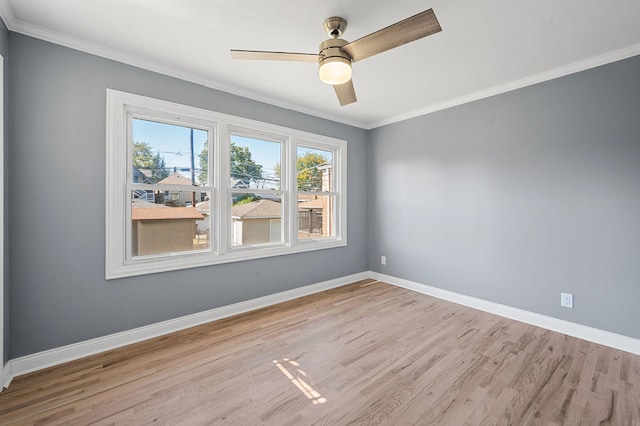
[15, 25]
[595, 61]
[74, 43]
[6, 14]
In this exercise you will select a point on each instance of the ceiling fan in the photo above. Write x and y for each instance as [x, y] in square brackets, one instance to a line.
[336, 55]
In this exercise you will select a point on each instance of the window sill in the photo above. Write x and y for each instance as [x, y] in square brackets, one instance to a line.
[177, 262]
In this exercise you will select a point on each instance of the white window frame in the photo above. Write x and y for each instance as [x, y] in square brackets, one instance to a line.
[118, 164]
[338, 163]
[179, 118]
[259, 134]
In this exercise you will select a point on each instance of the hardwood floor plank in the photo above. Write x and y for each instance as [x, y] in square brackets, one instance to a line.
[366, 353]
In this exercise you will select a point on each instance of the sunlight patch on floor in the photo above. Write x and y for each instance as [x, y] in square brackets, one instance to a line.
[298, 380]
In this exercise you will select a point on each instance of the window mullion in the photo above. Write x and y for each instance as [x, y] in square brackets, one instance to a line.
[223, 174]
[293, 192]
[128, 117]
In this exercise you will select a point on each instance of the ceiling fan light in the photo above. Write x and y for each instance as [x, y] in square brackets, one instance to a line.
[335, 70]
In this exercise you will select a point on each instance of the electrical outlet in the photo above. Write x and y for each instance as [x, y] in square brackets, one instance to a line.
[383, 260]
[566, 300]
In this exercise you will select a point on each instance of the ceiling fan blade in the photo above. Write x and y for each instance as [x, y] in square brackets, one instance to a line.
[403, 32]
[346, 93]
[274, 56]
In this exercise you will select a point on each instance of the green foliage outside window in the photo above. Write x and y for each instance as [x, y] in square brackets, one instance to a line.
[144, 158]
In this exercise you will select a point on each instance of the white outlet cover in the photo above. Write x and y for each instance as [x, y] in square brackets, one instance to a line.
[566, 300]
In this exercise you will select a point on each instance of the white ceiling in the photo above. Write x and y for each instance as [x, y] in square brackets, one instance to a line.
[486, 47]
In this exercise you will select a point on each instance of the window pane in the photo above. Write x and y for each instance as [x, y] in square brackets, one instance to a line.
[255, 163]
[255, 220]
[161, 223]
[314, 169]
[169, 154]
[316, 216]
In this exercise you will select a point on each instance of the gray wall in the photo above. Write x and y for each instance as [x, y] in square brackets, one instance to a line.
[512, 199]
[4, 51]
[518, 197]
[57, 163]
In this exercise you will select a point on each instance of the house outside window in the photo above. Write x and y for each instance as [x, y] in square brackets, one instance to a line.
[188, 187]
[316, 192]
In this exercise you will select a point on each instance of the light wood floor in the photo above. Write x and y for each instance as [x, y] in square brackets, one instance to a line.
[367, 353]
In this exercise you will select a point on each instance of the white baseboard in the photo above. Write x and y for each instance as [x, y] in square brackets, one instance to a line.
[5, 376]
[617, 341]
[51, 357]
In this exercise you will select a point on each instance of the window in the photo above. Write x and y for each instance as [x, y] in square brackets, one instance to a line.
[255, 188]
[188, 187]
[316, 192]
[170, 198]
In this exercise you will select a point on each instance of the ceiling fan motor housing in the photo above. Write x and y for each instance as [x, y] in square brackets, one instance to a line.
[332, 48]
[334, 63]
